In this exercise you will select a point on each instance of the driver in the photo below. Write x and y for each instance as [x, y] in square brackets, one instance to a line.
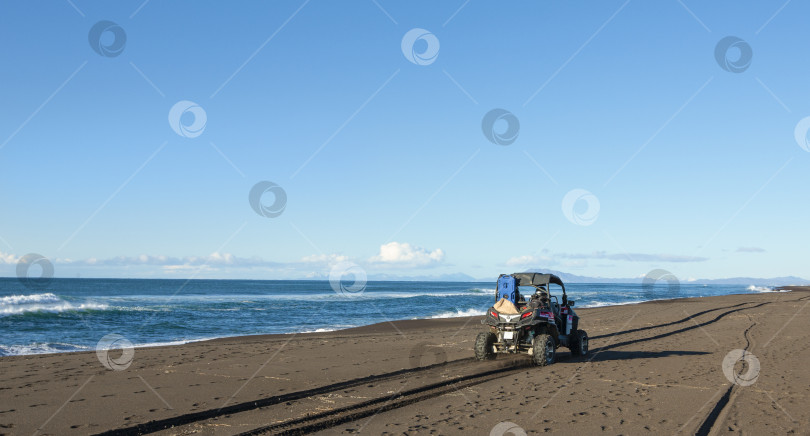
[540, 298]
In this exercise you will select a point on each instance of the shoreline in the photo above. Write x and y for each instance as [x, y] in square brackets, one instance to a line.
[172, 343]
[666, 353]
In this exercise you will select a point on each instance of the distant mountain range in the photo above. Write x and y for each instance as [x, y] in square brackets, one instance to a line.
[573, 278]
[775, 281]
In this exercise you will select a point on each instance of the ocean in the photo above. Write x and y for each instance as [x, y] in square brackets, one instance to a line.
[74, 314]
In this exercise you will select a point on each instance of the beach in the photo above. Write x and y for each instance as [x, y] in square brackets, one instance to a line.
[654, 367]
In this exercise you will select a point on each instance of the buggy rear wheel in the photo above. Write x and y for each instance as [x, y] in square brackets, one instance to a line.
[483, 346]
[543, 350]
[579, 347]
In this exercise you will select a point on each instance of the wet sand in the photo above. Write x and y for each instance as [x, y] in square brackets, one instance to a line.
[653, 368]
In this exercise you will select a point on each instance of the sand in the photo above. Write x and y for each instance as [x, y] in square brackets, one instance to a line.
[654, 368]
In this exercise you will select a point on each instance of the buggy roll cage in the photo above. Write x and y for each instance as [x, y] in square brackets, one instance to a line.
[539, 279]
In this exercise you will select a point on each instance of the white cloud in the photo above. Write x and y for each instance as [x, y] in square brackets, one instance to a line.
[580, 263]
[315, 266]
[223, 258]
[750, 250]
[407, 255]
[216, 258]
[580, 260]
[182, 268]
[633, 257]
[8, 258]
[529, 261]
[329, 259]
[213, 260]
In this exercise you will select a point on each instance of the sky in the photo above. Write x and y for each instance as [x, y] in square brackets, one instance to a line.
[303, 139]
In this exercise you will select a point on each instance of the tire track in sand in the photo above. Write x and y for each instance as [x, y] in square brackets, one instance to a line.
[721, 409]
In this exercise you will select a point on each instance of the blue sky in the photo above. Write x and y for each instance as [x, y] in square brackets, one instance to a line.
[383, 159]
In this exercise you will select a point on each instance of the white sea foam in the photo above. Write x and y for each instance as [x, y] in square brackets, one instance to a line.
[753, 288]
[58, 347]
[480, 291]
[168, 343]
[48, 302]
[40, 348]
[459, 313]
[259, 298]
[322, 330]
[28, 299]
[758, 289]
[331, 328]
[367, 295]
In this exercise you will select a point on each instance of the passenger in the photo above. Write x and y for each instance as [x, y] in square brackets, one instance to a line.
[540, 299]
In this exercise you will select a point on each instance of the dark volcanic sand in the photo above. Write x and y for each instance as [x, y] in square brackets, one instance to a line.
[653, 368]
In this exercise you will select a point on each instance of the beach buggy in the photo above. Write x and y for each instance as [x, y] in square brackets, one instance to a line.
[535, 327]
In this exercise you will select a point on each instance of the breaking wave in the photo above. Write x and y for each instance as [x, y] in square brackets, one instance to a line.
[753, 288]
[48, 302]
[460, 313]
[40, 348]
